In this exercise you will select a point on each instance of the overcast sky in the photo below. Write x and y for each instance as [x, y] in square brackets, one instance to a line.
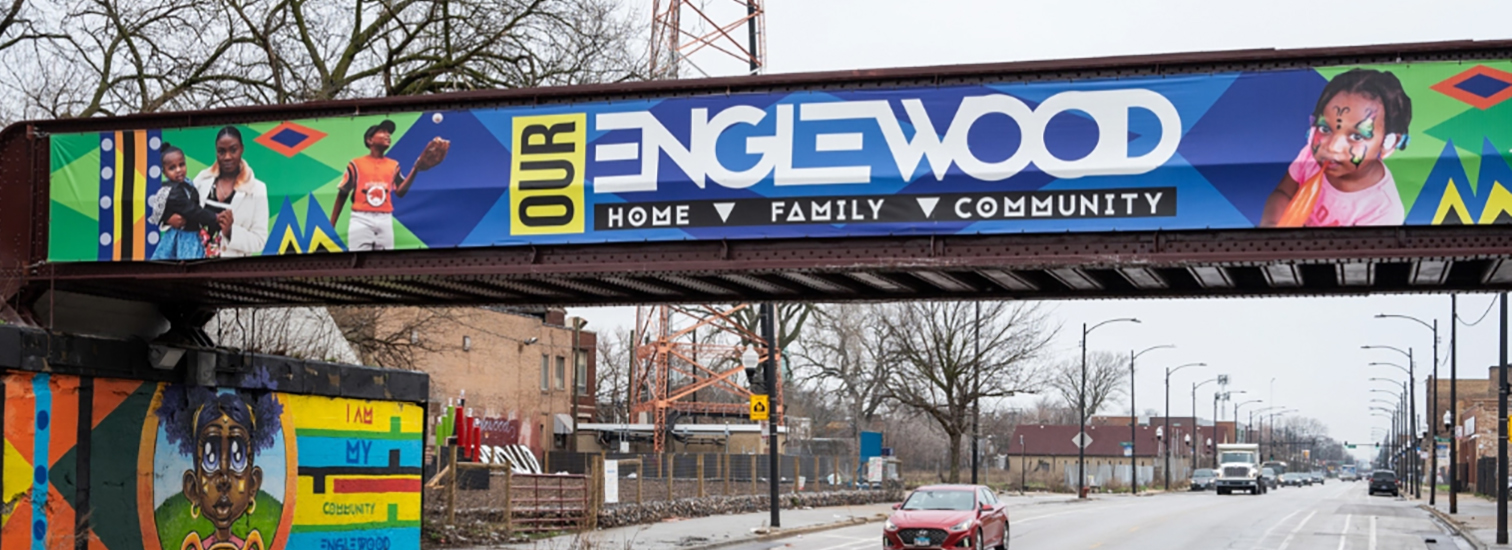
[1310, 346]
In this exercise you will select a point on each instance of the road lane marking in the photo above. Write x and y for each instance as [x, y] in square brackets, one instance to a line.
[1268, 532]
[1287, 542]
[1372, 533]
[1344, 537]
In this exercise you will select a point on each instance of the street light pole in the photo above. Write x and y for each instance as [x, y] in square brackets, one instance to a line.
[1411, 424]
[1501, 430]
[1236, 417]
[1081, 405]
[769, 333]
[976, 385]
[1453, 403]
[1197, 433]
[1134, 420]
[1167, 430]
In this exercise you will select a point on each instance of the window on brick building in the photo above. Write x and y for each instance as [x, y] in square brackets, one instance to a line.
[545, 372]
[580, 372]
[561, 373]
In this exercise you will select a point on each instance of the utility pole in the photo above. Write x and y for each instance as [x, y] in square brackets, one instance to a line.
[774, 476]
[1433, 424]
[976, 388]
[1453, 402]
[1501, 431]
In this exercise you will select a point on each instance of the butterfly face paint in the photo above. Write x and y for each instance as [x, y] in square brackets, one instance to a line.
[1346, 137]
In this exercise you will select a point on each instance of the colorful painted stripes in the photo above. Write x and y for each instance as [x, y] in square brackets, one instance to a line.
[130, 171]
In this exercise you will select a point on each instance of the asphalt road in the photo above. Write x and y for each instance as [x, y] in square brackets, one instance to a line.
[1334, 516]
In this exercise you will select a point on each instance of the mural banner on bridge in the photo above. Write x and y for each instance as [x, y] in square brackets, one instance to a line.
[174, 467]
[1397, 144]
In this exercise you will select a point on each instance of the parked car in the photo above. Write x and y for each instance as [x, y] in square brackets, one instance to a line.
[1384, 481]
[1204, 479]
[1292, 479]
[1319, 478]
[1270, 478]
[948, 516]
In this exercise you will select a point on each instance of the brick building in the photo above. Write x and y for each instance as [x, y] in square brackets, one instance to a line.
[528, 376]
[1051, 455]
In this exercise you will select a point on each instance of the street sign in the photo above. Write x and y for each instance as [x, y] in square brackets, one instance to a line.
[1128, 448]
[1437, 439]
[760, 407]
[1081, 440]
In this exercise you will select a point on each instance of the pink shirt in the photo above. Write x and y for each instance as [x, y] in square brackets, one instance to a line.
[1378, 204]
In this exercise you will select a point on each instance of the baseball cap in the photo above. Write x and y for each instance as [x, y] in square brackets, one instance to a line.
[386, 126]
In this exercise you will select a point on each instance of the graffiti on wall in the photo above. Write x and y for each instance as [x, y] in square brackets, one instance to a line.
[174, 467]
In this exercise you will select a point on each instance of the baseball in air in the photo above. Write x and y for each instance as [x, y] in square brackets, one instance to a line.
[436, 118]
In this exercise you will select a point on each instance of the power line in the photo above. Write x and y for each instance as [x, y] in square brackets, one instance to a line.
[1482, 317]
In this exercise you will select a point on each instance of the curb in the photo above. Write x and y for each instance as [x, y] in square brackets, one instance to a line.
[854, 521]
[1454, 526]
[781, 533]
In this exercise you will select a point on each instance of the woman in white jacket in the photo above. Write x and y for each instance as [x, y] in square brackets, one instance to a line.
[244, 227]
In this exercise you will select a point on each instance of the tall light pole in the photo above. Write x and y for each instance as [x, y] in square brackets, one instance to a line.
[1453, 402]
[1413, 473]
[1197, 433]
[1432, 405]
[976, 388]
[1414, 477]
[1167, 430]
[1501, 430]
[1236, 417]
[1134, 420]
[1272, 417]
[1402, 396]
[1081, 405]
[1227, 396]
[1260, 412]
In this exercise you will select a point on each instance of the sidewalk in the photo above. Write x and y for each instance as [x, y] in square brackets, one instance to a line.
[1476, 519]
[717, 531]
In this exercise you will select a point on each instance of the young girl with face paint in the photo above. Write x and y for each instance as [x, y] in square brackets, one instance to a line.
[1360, 119]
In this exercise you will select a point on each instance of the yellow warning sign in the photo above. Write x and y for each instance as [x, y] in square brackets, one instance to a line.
[761, 407]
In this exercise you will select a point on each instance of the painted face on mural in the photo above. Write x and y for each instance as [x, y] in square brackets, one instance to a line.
[224, 482]
[1348, 137]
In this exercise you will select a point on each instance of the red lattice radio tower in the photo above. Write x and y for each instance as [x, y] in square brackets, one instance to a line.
[675, 373]
[729, 29]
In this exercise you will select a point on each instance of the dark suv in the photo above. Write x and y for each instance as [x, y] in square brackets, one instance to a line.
[1384, 481]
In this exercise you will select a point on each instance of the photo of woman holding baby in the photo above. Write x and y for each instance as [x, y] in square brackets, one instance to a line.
[230, 186]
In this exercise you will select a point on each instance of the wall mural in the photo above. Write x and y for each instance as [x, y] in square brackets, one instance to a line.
[175, 467]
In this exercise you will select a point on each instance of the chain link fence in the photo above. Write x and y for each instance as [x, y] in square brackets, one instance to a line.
[661, 477]
[489, 503]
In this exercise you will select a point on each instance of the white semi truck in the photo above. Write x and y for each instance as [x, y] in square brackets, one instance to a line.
[1239, 468]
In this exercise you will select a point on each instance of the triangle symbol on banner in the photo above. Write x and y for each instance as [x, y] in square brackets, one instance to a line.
[724, 209]
[928, 204]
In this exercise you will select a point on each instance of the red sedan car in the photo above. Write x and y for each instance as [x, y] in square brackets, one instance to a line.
[948, 516]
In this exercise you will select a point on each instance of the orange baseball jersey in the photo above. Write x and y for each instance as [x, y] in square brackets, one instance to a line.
[374, 181]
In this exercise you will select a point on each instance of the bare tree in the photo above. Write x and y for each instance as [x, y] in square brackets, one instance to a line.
[933, 347]
[301, 332]
[393, 338]
[1107, 378]
[106, 57]
[1051, 409]
[843, 355]
[790, 320]
[612, 380]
